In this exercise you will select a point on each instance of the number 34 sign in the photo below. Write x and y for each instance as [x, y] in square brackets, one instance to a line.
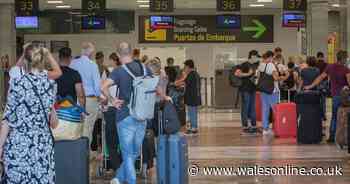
[93, 6]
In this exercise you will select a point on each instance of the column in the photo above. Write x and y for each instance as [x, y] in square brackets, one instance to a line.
[343, 24]
[7, 37]
[347, 29]
[317, 26]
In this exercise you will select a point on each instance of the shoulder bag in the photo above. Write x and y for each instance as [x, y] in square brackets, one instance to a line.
[265, 82]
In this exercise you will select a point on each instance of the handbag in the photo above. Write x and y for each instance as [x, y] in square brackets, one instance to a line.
[266, 82]
[70, 126]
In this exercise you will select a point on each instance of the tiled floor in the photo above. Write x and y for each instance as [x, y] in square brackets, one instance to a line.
[219, 144]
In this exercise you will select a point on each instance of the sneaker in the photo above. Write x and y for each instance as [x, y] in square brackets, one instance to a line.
[189, 132]
[330, 141]
[244, 131]
[194, 131]
[266, 132]
[115, 181]
[252, 130]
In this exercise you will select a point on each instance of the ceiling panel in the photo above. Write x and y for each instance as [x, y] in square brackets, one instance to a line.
[180, 4]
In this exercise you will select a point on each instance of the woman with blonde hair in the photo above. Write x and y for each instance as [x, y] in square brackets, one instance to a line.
[26, 141]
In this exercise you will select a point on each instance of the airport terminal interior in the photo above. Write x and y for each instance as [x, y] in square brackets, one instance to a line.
[216, 35]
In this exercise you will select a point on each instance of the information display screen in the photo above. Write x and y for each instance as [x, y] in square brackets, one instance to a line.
[162, 22]
[93, 23]
[228, 21]
[27, 22]
[293, 20]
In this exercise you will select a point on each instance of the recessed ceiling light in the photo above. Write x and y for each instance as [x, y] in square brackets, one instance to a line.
[144, 6]
[336, 5]
[264, 1]
[54, 2]
[64, 6]
[256, 5]
[142, 1]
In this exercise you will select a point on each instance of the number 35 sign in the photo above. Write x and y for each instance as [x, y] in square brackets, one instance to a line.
[162, 5]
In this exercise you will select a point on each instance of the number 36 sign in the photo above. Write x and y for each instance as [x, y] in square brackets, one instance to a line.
[228, 5]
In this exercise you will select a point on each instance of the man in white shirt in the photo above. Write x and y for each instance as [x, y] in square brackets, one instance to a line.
[90, 76]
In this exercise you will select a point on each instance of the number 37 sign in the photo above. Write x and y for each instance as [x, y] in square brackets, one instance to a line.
[294, 5]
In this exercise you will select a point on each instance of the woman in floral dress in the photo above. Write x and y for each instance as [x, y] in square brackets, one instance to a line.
[26, 142]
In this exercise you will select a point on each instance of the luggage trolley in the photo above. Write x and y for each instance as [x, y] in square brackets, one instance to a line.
[103, 152]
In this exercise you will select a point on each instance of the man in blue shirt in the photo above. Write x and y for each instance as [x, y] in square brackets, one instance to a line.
[130, 131]
[90, 76]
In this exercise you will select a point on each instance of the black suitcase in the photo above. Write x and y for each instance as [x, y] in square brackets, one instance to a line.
[309, 115]
[72, 161]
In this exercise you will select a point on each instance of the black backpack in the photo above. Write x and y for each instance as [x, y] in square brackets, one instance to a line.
[290, 82]
[235, 81]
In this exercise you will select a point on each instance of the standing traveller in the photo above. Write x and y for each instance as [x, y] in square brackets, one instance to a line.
[247, 91]
[309, 73]
[69, 84]
[131, 131]
[109, 112]
[339, 76]
[100, 58]
[90, 76]
[20, 69]
[193, 100]
[26, 141]
[324, 86]
[267, 67]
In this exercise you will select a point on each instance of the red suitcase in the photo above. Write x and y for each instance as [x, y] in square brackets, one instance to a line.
[285, 120]
[258, 107]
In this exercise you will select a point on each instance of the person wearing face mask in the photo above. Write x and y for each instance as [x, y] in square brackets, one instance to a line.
[254, 59]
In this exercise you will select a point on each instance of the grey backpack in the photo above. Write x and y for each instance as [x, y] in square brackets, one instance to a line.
[143, 96]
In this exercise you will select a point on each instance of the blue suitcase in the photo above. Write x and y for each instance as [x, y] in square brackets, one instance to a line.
[178, 164]
[162, 160]
[172, 158]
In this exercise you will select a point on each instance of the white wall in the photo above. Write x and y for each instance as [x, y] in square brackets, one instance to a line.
[202, 54]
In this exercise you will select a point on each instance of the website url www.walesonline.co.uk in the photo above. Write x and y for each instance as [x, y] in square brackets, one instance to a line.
[287, 170]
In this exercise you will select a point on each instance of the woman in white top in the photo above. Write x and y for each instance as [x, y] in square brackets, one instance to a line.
[268, 100]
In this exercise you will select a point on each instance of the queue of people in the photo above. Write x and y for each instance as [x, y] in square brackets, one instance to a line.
[26, 141]
[289, 79]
